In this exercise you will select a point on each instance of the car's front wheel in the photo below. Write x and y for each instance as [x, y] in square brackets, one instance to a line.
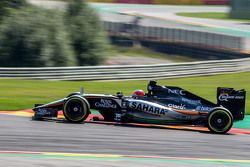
[76, 109]
[75, 93]
[219, 121]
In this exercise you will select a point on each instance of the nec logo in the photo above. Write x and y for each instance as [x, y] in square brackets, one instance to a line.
[177, 91]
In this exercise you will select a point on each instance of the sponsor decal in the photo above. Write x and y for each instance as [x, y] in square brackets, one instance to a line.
[203, 108]
[183, 117]
[181, 107]
[124, 104]
[148, 108]
[104, 103]
[45, 112]
[118, 117]
[42, 111]
[190, 101]
[177, 91]
[225, 97]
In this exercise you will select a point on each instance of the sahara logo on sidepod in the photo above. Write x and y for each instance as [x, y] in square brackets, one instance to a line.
[147, 108]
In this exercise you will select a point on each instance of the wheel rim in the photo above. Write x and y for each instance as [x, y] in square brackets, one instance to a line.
[220, 121]
[75, 109]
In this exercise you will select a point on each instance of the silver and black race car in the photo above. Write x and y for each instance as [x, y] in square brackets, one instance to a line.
[160, 105]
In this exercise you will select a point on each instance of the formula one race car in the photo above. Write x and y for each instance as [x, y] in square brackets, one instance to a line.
[160, 105]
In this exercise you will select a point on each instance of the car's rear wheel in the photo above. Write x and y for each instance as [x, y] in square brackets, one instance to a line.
[76, 109]
[219, 121]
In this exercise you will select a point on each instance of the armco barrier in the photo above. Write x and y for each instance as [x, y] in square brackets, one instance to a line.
[204, 39]
[128, 72]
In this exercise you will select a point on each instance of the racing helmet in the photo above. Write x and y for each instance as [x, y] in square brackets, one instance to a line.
[137, 93]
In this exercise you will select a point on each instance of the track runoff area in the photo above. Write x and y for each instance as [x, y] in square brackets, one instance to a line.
[65, 157]
[241, 127]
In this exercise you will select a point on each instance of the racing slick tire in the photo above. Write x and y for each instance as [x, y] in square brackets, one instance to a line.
[76, 109]
[219, 121]
[72, 94]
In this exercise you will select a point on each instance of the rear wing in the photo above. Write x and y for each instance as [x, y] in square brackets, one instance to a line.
[233, 100]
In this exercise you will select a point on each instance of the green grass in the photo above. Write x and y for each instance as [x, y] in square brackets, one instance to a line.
[211, 15]
[145, 52]
[23, 94]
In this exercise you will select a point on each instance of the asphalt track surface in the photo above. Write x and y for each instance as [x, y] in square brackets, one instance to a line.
[163, 16]
[24, 134]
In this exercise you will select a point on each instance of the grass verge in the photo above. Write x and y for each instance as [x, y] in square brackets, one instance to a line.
[23, 94]
[146, 52]
[211, 15]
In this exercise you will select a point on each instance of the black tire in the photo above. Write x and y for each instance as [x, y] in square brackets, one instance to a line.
[72, 94]
[76, 109]
[219, 121]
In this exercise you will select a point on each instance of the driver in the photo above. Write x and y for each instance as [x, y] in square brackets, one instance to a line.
[138, 93]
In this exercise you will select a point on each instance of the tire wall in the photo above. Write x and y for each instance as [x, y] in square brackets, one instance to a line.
[196, 52]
